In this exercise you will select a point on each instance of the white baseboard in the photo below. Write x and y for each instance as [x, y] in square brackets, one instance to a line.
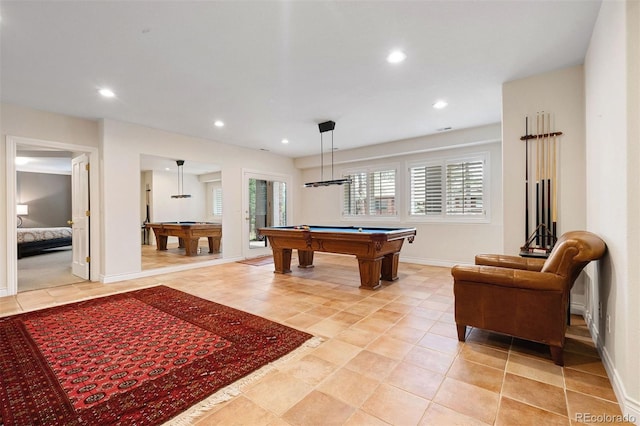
[630, 407]
[108, 279]
[430, 262]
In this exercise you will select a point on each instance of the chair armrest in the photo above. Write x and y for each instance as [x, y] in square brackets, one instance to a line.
[506, 277]
[513, 262]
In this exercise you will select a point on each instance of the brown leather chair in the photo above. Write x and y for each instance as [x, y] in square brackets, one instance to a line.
[524, 297]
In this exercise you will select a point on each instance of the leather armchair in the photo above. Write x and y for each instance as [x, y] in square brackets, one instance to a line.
[524, 297]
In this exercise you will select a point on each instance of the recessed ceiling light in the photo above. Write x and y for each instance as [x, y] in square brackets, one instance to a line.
[440, 104]
[107, 93]
[396, 57]
[167, 169]
[285, 141]
[218, 123]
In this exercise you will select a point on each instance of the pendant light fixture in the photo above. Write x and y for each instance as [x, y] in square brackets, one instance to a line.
[326, 126]
[180, 194]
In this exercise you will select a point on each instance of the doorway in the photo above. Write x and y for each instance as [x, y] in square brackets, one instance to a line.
[265, 203]
[82, 246]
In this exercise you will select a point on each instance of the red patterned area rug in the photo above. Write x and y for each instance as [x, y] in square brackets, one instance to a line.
[141, 357]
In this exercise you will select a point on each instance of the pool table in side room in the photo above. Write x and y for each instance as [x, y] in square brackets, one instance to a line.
[188, 233]
[377, 249]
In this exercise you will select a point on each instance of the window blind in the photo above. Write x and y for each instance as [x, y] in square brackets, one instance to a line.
[465, 183]
[426, 190]
[355, 195]
[217, 202]
[382, 200]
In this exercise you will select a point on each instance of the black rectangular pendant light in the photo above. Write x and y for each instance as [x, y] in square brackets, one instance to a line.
[326, 126]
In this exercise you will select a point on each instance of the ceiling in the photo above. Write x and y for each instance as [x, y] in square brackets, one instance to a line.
[273, 70]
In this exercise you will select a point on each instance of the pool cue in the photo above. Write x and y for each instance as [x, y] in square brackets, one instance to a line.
[554, 209]
[526, 178]
[546, 214]
[537, 178]
[548, 160]
[543, 178]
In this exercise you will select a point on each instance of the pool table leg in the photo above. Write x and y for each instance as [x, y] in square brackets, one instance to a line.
[190, 246]
[282, 260]
[390, 266]
[214, 245]
[305, 258]
[370, 273]
[161, 241]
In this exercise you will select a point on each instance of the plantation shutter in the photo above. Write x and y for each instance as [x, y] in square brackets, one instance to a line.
[465, 188]
[418, 188]
[355, 195]
[382, 200]
[217, 202]
[426, 190]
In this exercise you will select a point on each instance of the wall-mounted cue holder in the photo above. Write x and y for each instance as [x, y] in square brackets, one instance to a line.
[541, 161]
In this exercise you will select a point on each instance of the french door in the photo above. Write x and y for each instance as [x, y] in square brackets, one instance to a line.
[265, 203]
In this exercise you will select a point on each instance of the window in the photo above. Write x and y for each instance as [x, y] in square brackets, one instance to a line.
[465, 182]
[217, 202]
[370, 193]
[448, 188]
[426, 190]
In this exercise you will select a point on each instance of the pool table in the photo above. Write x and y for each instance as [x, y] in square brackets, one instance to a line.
[188, 233]
[377, 249]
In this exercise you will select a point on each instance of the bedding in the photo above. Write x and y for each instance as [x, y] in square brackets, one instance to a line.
[35, 240]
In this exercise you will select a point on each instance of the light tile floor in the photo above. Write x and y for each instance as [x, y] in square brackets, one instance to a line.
[389, 356]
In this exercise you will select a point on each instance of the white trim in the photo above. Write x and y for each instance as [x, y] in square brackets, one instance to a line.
[108, 279]
[45, 171]
[629, 406]
[431, 262]
[94, 188]
[12, 222]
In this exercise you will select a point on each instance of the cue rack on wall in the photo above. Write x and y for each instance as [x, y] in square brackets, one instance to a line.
[541, 202]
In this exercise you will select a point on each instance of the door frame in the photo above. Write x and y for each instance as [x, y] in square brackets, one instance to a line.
[254, 174]
[11, 178]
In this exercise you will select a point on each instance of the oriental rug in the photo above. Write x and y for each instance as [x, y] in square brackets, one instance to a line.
[140, 357]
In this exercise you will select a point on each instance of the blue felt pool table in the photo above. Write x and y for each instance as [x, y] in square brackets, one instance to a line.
[377, 249]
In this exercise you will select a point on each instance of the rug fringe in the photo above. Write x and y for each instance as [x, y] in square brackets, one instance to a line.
[234, 389]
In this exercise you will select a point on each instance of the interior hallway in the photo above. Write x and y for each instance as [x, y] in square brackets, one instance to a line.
[389, 356]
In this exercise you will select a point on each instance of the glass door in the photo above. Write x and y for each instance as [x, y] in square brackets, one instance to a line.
[266, 205]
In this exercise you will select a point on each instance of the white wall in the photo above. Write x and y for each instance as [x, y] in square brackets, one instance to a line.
[167, 209]
[612, 67]
[41, 125]
[560, 93]
[436, 243]
[163, 208]
[122, 145]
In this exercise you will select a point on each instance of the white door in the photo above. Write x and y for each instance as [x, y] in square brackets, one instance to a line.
[80, 216]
